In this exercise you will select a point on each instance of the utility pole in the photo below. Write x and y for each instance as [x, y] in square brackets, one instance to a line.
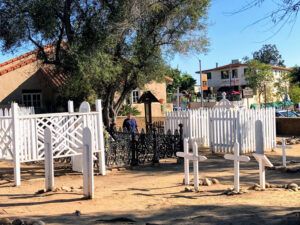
[201, 83]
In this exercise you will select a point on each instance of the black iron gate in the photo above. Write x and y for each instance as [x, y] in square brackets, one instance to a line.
[125, 149]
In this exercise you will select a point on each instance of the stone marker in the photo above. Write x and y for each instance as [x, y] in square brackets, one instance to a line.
[237, 159]
[193, 157]
[260, 157]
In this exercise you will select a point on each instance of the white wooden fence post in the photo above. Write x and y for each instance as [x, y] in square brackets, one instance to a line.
[49, 167]
[88, 169]
[16, 144]
[70, 106]
[102, 169]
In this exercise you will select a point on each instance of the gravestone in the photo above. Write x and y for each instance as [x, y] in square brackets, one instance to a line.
[259, 137]
[193, 157]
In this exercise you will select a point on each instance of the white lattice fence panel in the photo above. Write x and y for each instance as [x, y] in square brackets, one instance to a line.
[6, 135]
[66, 134]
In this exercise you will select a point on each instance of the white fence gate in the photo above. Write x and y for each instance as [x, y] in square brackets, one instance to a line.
[218, 128]
[22, 136]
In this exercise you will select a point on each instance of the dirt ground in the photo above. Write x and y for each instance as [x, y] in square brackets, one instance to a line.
[154, 195]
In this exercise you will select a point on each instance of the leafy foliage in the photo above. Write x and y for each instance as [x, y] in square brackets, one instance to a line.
[259, 76]
[295, 75]
[269, 54]
[126, 109]
[184, 81]
[108, 47]
[294, 93]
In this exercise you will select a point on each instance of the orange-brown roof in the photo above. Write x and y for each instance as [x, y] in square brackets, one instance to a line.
[20, 61]
[54, 77]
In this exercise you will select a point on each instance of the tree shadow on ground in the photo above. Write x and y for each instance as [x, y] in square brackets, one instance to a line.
[200, 214]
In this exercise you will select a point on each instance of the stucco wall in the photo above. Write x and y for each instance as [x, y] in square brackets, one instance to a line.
[288, 126]
[25, 78]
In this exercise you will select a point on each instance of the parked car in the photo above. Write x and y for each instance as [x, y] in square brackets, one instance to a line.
[286, 113]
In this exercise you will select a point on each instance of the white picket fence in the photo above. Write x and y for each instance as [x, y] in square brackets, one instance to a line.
[22, 111]
[22, 136]
[218, 128]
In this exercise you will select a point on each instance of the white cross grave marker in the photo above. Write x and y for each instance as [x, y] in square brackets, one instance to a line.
[260, 157]
[237, 158]
[283, 148]
[193, 157]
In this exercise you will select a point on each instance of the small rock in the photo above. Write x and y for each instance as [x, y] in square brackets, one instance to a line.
[257, 189]
[268, 185]
[17, 222]
[294, 189]
[81, 187]
[201, 182]
[67, 189]
[5, 221]
[292, 185]
[33, 222]
[279, 142]
[77, 213]
[121, 169]
[254, 187]
[207, 182]
[277, 185]
[188, 189]
[215, 181]
[42, 191]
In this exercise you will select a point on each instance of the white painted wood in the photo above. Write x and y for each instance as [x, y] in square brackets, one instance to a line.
[88, 168]
[283, 147]
[49, 163]
[214, 125]
[102, 168]
[193, 157]
[16, 144]
[237, 158]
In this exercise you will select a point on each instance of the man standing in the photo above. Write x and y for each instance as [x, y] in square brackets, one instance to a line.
[130, 124]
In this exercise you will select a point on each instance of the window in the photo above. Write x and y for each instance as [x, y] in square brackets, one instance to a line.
[209, 75]
[235, 73]
[245, 71]
[135, 96]
[204, 83]
[32, 99]
[225, 74]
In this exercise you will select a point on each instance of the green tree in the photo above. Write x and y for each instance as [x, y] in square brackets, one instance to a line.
[259, 77]
[294, 93]
[269, 54]
[183, 81]
[295, 75]
[107, 47]
[282, 84]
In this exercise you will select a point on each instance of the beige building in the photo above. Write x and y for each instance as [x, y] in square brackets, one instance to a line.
[25, 81]
[159, 91]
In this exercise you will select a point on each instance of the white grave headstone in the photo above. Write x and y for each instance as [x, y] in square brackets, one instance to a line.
[193, 157]
[237, 158]
[49, 166]
[260, 157]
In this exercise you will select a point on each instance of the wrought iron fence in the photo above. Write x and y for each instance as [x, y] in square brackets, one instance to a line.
[126, 149]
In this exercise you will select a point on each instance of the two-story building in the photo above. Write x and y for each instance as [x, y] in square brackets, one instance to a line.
[231, 77]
